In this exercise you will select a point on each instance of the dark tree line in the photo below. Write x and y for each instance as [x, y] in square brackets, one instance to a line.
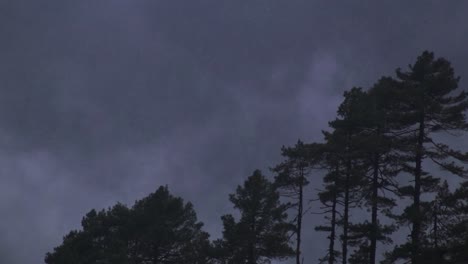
[164, 229]
[377, 154]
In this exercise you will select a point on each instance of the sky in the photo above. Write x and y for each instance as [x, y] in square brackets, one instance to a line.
[104, 101]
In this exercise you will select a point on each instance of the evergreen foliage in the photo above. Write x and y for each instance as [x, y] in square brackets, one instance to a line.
[262, 232]
[160, 228]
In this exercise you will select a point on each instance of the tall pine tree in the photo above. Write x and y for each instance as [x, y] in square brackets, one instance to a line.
[429, 103]
[291, 179]
[380, 163]
[344, 150]
[262, 232]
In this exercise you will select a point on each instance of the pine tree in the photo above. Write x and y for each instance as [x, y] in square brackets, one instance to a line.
[329, 200]
[345, 175]
[428, 103]
[343, 144]
[261, 233]
[367, 164]
[381, 165]
[160, 228]
[166, 230]
[291, 180]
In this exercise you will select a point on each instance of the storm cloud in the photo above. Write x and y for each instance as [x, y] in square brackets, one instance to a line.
[103, 101]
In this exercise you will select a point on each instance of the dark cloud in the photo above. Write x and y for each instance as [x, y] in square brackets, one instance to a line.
[102, 101]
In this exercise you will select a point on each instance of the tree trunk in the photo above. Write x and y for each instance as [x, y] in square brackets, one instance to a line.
[331, 247]
[299, 219]
[252, 257]
[416, 232]
[374, 223]
[346, 212]
[436, 233]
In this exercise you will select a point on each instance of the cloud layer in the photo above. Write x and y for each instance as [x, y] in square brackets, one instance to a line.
[102, 101]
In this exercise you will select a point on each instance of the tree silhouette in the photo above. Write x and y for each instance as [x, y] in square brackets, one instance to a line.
[261, 234]
[429, 103]
[291, 179]
[160, 228]
[343, 144]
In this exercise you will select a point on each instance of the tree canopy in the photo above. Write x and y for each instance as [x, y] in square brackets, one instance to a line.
[160, 228]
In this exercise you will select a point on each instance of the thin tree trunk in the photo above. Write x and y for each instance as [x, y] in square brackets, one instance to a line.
[437, 253]
[331, 247]
[346, 212]
[252, 257]
[416, 232]
[436, 223]
[299, 219]
[374, 223]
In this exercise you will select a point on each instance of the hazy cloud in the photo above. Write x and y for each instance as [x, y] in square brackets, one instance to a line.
[102, 101]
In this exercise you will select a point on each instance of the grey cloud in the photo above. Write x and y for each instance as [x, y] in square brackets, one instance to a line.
[102, 101]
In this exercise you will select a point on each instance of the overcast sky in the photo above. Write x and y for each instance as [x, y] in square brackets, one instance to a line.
[103, 101]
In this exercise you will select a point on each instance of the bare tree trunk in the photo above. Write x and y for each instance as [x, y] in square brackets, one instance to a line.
[374, 223]
[416, 232]
[331, 248]
[299, 219]
[346, 213]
